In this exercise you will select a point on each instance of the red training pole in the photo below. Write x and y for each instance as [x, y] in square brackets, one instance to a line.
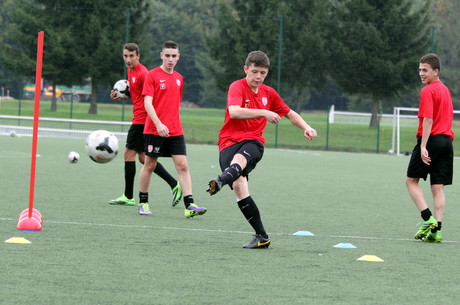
[38, 80]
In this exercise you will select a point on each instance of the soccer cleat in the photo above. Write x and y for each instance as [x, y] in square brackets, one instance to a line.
[194, 210]
[435, 237]
[122, 200]
[144, 209]
[177, 194]
[258, 242]
[214, 186]
[425, 227]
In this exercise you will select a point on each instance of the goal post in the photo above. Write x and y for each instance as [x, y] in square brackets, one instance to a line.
[397, 117]
[404, 117]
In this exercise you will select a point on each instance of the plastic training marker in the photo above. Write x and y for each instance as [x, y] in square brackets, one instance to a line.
[303, 233]
[17, 240]
[370, 258]
[31, 222]
[35, 214]
[345, 246]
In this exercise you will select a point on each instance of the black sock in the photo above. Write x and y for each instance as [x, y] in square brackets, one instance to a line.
[130, 173]
[163, 174]
[188, 200]
[143, 197]
[249, 209]
[426, 214]
[230, 174]
[438, 228]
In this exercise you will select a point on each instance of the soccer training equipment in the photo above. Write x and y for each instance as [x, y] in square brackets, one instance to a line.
[258, 242]
[435, 237]
[122, 200]
[425, 227]
[176, 194]
[73, 157]
[194, 210]
[102, 146]
[122, 88]
[214, 186]
[144, 209]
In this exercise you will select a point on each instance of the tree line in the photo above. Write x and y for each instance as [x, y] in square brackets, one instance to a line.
[362, 52]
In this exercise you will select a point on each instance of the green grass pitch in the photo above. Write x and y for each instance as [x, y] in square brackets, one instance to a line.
[90, 252]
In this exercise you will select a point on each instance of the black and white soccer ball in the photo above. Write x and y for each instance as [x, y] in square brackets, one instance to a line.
[122, 88]
[73, 157]
[102, 146]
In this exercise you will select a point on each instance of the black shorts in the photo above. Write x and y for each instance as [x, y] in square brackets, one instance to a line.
[156, 146]
[135, 139]
[252, 150]
[441, 153]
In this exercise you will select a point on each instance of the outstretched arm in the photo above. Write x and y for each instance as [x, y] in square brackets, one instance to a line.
[238, 113]
[297, 120]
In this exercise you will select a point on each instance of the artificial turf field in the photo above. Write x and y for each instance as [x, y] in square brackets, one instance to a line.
[90, 252]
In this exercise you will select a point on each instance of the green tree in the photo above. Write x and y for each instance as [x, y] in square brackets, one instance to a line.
[447, 34]
[304, 64]
[60, 61]
[100, 31]
[8, 80]
[186, 22]
[83, 39]
[375, 47]
[243, 27]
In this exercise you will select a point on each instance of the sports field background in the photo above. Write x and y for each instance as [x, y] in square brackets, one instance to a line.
[201, 126]
[90, 252]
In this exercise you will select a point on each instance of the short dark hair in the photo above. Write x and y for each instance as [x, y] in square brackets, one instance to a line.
[131, 47]
[433, 60]
[170, 45]
[258, 58]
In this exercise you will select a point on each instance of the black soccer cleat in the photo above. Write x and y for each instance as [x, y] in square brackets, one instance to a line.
[258, 242]
[214, 186]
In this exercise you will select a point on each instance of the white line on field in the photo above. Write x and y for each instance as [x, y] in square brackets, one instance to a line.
[218, 231]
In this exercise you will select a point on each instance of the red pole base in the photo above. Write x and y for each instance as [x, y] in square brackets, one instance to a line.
[29, 224]
[35, 214]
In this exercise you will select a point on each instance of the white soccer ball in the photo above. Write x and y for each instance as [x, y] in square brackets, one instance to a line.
[102, 146]
[122, 88]
[73, 157]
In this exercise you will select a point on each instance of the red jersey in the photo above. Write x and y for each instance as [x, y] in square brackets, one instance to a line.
[166, 90]
[136, 85]
[241, 94]
[436, 104]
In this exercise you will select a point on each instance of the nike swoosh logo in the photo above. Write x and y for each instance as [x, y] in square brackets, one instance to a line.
[263, 244]
[162, 80]
[246, 153]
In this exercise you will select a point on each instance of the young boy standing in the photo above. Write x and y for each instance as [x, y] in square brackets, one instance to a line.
[163, 132]
[433, 154]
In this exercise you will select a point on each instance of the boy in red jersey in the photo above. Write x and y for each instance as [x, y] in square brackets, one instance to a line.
[250, 104]
[163, 128]
[433, 154]
[135, 140]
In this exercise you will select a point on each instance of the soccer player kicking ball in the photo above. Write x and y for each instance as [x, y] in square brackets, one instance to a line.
[135, 140]
[250, 104]
[433, 154]
[163, 128]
